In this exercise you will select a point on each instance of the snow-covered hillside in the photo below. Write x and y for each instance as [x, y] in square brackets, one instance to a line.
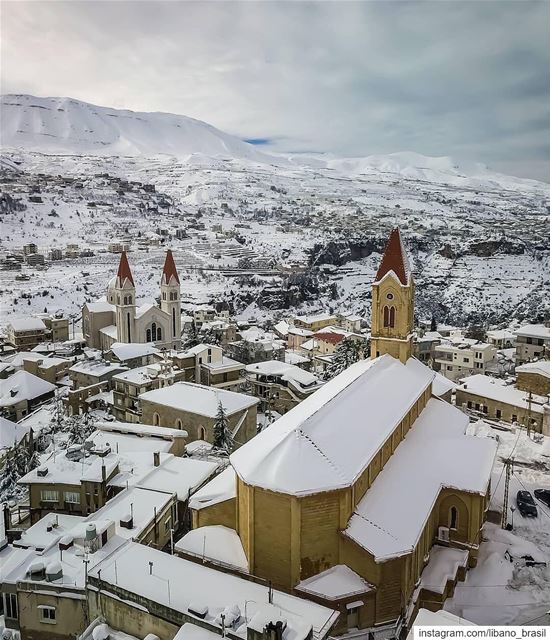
[64, 125]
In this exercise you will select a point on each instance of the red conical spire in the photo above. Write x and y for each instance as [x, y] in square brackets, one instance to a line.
[169, 270]
[394, 259]
[124, 269]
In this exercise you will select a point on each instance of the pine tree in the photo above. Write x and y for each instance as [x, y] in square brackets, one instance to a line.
[223, 440]
[9, 489]
[347, 352]
[433, 324]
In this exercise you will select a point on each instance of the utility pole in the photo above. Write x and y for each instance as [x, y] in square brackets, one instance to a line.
[508, 463]
[529, 400]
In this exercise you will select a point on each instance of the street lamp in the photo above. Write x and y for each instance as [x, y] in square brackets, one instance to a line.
[512, 509]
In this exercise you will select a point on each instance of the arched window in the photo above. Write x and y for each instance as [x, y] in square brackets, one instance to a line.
[159, 334]
[164, 295]
[453, 518]
[129, 299]
[156, 419]
[202, 433]
[173, 323]
[392, 316]
[154, 331]
[386, 316]
[148, 335]
[179, 424]
[128, 323]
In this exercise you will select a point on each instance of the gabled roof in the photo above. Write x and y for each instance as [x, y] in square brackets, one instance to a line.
[124, 272]
[326, 441]
[169, 270]
[395, 259]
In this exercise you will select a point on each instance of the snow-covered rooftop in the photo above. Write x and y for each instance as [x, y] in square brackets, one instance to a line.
[96, 367]
[141, 429]
[23, 386]
[47, 531]
[126, 443]
[127, 351]
[534, 331]
[282, 370]
[222, 487]
[436, 453]
[198, 399]
[100, 306]
[540, 367]
[326, 441]
[440, 385]
[337, 582]
[218, 543]
[11, 433]
[497, 389]
[207, 588]
[27, 324]
[316, 317]
[179, 475]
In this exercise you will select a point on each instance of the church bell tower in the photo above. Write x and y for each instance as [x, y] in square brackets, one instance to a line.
[170, 298]
[124, 294]
[393, 303]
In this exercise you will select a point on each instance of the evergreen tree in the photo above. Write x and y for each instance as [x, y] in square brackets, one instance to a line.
[223, 440]
[347, 352]
[192, 338]
[433, 324]
[9, 489]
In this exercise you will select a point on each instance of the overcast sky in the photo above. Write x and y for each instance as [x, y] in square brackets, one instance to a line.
[459, 78]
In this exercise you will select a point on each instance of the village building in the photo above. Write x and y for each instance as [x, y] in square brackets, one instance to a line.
[139, 590]
[534, 377]
[425, 345]
[256, 345]
[26, 333]
[501, 338]
[457, 357]
[119, 319]
[52, 370]
[207, 365]
[296, 336]
[532, 343]
[128, 385]
[280, 386]
[133, 355]
[350, 322]
[326, 511]
[124, 437]
[194, 407]
[494, 398]
[89, 378]
[23, 392]
[315, 322]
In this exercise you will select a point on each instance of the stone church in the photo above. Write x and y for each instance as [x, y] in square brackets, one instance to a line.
[118, 318]
[368, 497]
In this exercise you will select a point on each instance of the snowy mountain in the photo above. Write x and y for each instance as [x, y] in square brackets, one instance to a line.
[68, 126]
[64, 125]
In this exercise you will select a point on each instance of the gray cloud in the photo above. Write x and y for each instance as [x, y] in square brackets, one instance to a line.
[467, 79]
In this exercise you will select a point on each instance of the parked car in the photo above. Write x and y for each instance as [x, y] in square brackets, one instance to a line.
[526, 504]
[543, 495]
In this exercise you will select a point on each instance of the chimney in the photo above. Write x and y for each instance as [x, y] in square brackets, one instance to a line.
[156, 458]
[103, 473]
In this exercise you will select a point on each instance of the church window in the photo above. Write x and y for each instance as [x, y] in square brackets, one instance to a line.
[164, 295]
[390, 296]
[154, 331]
[129, 299]
[159, 334]
[202, 433]
[128, 324]
[148, 335]
[386, 316]
[173, 323]
[392, 317]
[179, 424]
[453, 518]
[156, 419]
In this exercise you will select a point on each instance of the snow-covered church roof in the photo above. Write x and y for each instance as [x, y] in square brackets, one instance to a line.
[326, 441]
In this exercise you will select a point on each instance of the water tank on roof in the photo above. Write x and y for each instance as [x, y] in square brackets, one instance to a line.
[91, 532]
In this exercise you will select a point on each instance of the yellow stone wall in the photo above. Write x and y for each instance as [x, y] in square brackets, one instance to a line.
[224, 513]
[397, 340]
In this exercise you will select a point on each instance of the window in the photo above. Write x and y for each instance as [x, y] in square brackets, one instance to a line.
[159, 334]
[167, 525]
[156, 419]
[148, 335]
[179, 424]
[453, 518]
[466, 359]
[386, 316]
[73, 497]
[10, 606]
[390, 296]
[469, 404]
[498, 413]
[48, 495]
[47, 614]
[514, 418]
[392, 316]
[202, 433]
